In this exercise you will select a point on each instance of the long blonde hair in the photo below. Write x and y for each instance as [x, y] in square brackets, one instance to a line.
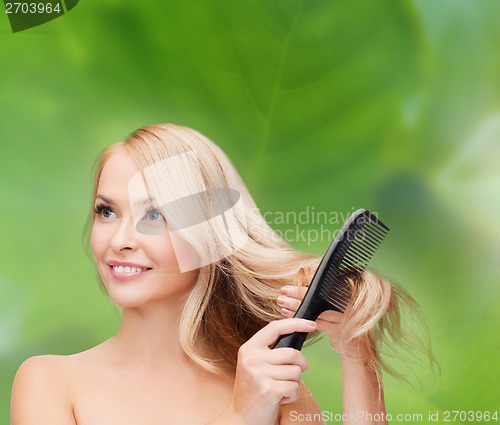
[384, 321]
[235, 296]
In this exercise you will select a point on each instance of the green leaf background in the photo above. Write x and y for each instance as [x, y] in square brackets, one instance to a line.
[323, 106]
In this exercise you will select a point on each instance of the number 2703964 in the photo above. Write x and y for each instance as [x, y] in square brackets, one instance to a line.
[32, 8]
[470, 416]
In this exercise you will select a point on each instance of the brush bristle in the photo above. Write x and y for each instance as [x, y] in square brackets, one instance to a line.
[356, 246]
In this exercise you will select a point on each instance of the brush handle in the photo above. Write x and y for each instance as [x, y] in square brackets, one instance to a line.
[295, 340]
[310, 308]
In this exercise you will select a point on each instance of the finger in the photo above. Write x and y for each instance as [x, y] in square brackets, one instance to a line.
[287, 313]
[286, 356]
[332, 316]
[274, 390]
[286, 373]
[288, 302]
[331, 328]
[293, 291]
[289, 390]
[271, 332]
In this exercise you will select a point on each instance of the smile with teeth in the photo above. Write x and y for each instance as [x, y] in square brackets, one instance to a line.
[127, 269]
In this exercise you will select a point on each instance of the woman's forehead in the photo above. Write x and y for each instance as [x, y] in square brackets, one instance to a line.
[119, 168]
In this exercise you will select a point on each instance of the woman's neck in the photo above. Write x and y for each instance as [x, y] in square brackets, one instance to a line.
[149, 335]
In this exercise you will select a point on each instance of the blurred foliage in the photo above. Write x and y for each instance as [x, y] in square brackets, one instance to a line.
[323, 105]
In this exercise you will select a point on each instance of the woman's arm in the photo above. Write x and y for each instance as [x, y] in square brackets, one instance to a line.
[39, 396]
[362, 393]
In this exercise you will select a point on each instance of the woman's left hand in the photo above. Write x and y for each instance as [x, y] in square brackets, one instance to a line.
[330, 322]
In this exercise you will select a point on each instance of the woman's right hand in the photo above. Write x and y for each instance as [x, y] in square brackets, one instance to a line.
[267, 378]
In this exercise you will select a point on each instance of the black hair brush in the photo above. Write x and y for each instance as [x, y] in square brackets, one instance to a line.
[348, 254]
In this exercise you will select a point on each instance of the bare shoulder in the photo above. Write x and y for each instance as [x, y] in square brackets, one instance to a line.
[40, 392]
[304, 410]
[38, 370]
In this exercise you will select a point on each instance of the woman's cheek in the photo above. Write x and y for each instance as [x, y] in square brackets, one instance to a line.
[98, 242]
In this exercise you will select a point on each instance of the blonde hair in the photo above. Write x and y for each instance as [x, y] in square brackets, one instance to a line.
[235, 297]
[385, 321]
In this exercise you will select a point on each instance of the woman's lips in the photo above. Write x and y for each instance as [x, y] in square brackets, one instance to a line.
[127, 272]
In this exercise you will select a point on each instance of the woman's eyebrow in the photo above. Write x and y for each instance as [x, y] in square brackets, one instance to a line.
[110, 202]
[145, 201]
[107, 200]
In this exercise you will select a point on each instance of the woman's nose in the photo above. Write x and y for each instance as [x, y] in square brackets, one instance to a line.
[125, 236]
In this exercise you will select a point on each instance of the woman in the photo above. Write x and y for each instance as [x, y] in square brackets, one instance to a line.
[202, 281]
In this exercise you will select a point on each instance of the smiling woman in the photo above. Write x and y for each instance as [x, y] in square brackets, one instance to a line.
[115, 244]
[201, 284]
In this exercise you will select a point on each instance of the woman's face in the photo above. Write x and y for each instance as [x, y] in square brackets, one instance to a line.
[136, 268]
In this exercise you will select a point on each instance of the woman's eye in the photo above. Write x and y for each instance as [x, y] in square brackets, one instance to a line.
[104, 211]
[107, 213]
[154, 215]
